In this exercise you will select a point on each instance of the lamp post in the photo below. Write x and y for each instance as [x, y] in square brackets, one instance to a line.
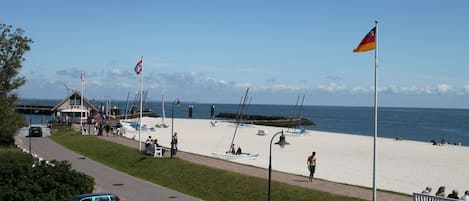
[282, 144]
[177, 102]
[29, 134]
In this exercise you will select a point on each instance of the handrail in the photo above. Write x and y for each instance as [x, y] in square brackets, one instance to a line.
[426, 197]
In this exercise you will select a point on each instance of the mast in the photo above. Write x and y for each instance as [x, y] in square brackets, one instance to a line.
[301, 107]
[127, 105]
[294, 111]
[140, 118]
[241, 108]
[376, 114]
[162, 109]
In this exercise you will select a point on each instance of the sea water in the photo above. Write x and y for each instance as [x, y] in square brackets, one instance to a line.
[421, 124]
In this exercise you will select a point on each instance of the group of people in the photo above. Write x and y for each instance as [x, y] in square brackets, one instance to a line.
[443, 142]
[441, 193]
[235, 151]
[150, 145]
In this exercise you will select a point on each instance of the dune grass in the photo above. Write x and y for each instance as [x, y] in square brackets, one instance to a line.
[196, 180]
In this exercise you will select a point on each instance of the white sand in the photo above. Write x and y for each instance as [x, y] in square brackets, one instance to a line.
[402, 166]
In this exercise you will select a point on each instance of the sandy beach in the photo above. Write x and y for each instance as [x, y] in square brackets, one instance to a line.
[402, 166]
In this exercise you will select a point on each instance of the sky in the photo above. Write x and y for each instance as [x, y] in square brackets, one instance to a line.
[211, 51]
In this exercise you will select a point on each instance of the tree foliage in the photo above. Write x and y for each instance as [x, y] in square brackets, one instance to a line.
[13, 45]
[21, 181]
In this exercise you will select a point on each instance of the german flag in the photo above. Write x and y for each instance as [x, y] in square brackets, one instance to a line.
[368, 42]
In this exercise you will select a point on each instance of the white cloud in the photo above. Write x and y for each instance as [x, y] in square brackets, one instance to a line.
[116, 72]
[360, 89]
[123, 85]
[95, 83]
[466, 88]
[114, 81]
[332, 87]
[408, 90]
[444, 88]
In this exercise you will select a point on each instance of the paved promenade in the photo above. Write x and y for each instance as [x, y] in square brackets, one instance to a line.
[106, 178]
[320, 185]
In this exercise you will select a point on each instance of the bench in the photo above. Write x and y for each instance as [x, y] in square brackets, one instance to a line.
[426, 197]
[156, 151]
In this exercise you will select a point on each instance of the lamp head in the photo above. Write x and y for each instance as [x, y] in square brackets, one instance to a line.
[282, 142]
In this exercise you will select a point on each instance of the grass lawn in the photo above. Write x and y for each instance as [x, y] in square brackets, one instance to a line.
[197, 180]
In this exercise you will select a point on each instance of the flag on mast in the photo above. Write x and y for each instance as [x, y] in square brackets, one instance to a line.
[368, 42]
[138, 67]
[82, 76]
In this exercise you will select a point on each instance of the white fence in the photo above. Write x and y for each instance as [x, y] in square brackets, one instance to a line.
[426, 197]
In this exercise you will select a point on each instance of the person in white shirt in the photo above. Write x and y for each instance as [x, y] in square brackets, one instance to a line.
[427, 190]
[465, 197]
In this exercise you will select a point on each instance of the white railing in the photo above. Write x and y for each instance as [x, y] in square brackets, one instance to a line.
[426, 197]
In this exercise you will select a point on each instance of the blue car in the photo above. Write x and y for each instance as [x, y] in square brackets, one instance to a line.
[97, 197]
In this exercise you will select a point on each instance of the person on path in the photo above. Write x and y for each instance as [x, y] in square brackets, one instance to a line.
[311, 162]
[174, 141]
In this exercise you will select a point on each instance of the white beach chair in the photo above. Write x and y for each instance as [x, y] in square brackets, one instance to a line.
[213, 123]
[262, 132]
[158, 152]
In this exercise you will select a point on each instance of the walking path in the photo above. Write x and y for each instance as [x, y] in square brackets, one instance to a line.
[320, 185]
[106, 179]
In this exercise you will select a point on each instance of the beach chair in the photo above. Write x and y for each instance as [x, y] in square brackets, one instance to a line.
[213, 123]
[262, 132]
[158, 152]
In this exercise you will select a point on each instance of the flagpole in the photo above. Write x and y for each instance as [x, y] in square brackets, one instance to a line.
[162, 109]
[140, 119]
[376, 112]
[82, 78]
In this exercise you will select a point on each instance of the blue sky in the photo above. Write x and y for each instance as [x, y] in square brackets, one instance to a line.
[210, 51]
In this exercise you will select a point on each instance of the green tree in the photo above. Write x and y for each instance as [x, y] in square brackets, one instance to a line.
[13, 45]
[22, 181]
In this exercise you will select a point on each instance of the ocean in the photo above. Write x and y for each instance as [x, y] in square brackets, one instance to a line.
[420, 124]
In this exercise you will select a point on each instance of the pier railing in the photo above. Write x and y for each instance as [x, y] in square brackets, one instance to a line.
[426, 197]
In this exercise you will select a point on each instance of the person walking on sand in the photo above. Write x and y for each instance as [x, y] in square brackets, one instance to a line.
[311, 162]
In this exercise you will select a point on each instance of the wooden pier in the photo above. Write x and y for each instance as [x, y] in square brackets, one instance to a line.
[32, 108]
[278, 121]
